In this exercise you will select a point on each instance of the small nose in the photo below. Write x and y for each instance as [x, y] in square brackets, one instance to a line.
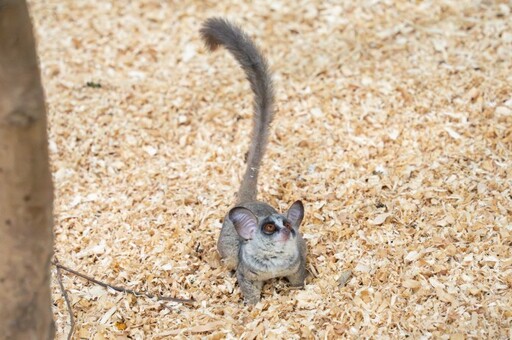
[285, 231]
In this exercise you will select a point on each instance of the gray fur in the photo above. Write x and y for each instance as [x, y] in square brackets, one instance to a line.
[262, 255]
[218, 31]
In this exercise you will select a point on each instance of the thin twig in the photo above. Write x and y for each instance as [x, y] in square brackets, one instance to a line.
[122, 289]
[66, 298]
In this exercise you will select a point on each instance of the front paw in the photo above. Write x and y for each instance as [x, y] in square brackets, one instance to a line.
[251, 294]
[251, 290]
[297, 280]
[251, 300]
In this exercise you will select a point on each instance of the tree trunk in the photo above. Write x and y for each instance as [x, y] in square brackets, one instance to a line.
[26, 193]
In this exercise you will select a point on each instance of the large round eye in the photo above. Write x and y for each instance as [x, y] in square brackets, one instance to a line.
[269, 228]
[287, 225]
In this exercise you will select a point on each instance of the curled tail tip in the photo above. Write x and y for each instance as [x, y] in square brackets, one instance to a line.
[209, 40]
[210, 30]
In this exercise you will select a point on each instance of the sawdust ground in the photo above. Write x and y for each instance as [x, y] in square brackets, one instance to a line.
[394, 125]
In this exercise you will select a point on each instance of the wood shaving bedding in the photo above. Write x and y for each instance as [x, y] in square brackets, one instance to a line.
[393, 124]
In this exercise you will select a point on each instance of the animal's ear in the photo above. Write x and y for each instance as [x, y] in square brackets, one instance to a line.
[296, 213]
[244, 221]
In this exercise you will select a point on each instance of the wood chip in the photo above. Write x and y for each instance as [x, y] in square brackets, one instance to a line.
[379, 219]
[344, 277]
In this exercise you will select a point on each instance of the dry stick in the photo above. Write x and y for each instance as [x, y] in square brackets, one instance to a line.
[121, 289]
[66, 298]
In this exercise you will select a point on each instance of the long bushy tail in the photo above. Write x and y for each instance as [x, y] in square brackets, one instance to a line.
[218, 31]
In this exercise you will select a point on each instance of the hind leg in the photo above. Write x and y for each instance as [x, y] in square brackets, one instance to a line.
[228, 245]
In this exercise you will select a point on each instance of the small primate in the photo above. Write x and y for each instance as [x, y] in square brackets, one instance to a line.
[255, 239]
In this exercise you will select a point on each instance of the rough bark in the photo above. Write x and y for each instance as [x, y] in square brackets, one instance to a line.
[26, 241]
